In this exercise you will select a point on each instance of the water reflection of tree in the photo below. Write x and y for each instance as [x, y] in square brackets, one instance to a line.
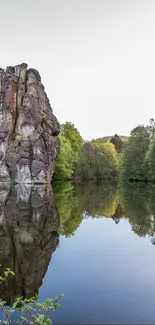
[119, 213]
[75, 202]
[98, 198]
[135, 199]
[69, 207]
[136, 202]
[152, 210]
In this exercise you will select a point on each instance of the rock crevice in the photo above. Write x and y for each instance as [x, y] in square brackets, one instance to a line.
[28, 128]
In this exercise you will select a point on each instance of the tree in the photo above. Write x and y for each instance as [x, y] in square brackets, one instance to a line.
[151, 128]
[151, 159]
[85, 165]
[71, 144]
[133, 162]
[106, 160]
[117, 142]
[151, 152]
[64, 162]
[69, 131]
[97, 160]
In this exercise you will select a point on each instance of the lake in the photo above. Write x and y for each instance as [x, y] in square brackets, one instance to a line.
[93, 242]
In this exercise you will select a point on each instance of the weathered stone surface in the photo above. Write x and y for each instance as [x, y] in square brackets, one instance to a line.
[28, 128]
[29, 224]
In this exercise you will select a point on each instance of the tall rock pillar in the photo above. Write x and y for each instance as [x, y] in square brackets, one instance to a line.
[28, 128]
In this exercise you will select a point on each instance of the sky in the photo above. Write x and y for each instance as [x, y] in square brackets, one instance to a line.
[96, 58]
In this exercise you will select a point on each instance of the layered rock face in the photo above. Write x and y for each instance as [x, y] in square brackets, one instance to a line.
[28, 128]
[29, 224]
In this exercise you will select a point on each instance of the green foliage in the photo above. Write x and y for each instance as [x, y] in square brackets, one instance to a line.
[69, 207]
[97, 160]
[151, 128]
[64, 163]
[6, 274]
[150, 158]
[31, 311]
[132, 157]
[69, 131]
[117, 142]
[87, 160]
[133, 161]
[98, 199]
[71, 144]
[108, 138]
[138, 157]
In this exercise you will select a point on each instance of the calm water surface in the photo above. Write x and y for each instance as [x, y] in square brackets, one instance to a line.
[93, 242]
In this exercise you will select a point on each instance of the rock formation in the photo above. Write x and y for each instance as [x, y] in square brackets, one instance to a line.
[28, 128]
[29, 224]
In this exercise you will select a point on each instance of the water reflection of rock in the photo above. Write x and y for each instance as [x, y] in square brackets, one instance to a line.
[29, 224]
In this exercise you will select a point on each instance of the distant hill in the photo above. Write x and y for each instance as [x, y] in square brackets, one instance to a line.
[108, 138]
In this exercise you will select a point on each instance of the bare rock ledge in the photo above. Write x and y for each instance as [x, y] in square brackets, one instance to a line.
[28, 128]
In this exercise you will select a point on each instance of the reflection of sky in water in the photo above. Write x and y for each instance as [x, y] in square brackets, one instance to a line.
[106, 273]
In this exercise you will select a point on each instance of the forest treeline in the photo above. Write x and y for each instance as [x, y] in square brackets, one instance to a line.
[131, 158]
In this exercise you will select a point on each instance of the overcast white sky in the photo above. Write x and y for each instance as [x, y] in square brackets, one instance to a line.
[96, 58]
